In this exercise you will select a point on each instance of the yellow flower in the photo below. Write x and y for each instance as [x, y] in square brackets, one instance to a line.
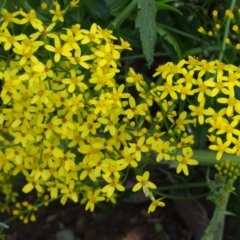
[154, 204]
[88, 127]
[164, 151]
[168, 89]
[107, 56]
[144, 183]
[59, 50]
[122, 136]
[198, 111]
[53, 188]
[218, 85]
[184, 91]
[235, 28]
[135, 110]
[52, 147]
[44, 31]
[75, 81]
[41, 94]
[201, 30]
[232, 79]
[232, 103]
[106, 34]
[113, 183]
[138, 148]
[10, 40]
[69, 192]
[102, 79]
[102, 105]
[162, 69]
[188, 78]
[71, 40]
[8, 17]
[124, 45]
[238, 46]
[9, 88]
[92, 150]
[44, 5]
[181, 121]
[229, 14]
[173, 70]
[135, 78]
[87, 171]
[127, 159]
[30, 17]
[74, 3]
[32, 183]
[184, 160]
[229, 129]
[215, 13]
[27, 54]
[91, 35]
[221, 148]
[110, 124]
[57, 14]
[205, 66]
[93, 198]
[227, 41]
[79, 59]
[111, 167]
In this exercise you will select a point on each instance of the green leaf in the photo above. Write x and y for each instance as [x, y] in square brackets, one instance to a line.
[2, 4]
[163, 6]
[169, 37]
[97, 8]
[146, 22]
[116, 6]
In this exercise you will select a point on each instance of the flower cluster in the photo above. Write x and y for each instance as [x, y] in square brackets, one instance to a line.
[232, 39]
[211, 89]
[66, 123]
[71, 129]
[223, 184]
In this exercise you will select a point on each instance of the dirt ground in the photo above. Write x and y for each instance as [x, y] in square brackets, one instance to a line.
[127, 221]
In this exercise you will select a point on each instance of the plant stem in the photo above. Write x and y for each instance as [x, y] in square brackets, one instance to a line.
[197, 50]
[208, 158]
[181, 197]
[226, 30]
[186, 185]
[180, 32]
[143, 56]
[191, 52]
[123, 15]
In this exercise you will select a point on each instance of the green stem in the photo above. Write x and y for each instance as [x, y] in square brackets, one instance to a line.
[197, 50]
[187, 185]
[226, 31]
[208, 158]
[143, 56]
[123, 15]
[181, 197]
[190, 52]
[26, 211]
[180, 32]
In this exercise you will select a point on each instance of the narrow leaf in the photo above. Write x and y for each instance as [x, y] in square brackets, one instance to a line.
[162, 6]
[169, 37]
[2, 4]
[97, 8]
[146, 22]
